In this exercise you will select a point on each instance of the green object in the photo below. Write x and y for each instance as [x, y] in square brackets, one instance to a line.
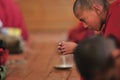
[2, 72]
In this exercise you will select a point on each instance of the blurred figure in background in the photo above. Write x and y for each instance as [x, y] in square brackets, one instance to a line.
[12, 27]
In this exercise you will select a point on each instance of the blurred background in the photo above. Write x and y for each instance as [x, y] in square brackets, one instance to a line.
[47, 23]
[47, 15]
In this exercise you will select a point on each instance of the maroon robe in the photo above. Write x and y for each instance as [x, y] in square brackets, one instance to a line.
[79, 32]
[112, 25]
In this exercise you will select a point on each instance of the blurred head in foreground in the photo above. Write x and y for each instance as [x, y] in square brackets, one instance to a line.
[94, 59]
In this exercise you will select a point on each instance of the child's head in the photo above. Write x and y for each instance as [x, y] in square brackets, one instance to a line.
[91, 12]
[93, 57]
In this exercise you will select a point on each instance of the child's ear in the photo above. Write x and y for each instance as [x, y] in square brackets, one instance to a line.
[97, 8]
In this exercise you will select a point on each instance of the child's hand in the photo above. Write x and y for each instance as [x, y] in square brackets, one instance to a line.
[66, 47]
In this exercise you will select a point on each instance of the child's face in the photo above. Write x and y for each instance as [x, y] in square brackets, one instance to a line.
[90, 18]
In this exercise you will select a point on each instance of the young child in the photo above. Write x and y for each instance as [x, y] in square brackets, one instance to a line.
[100, 15]
[94, 59]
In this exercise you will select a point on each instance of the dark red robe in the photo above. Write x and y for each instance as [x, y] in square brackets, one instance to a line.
[79, 32]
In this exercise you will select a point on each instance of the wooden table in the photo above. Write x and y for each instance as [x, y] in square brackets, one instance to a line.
[40, 58]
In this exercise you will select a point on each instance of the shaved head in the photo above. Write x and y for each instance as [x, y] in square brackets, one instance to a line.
[87, 4]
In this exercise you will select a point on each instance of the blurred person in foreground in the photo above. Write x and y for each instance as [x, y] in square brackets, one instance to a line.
[97, 58]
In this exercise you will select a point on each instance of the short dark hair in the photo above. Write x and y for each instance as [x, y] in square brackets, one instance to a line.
[93, 54]
[87, 4]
